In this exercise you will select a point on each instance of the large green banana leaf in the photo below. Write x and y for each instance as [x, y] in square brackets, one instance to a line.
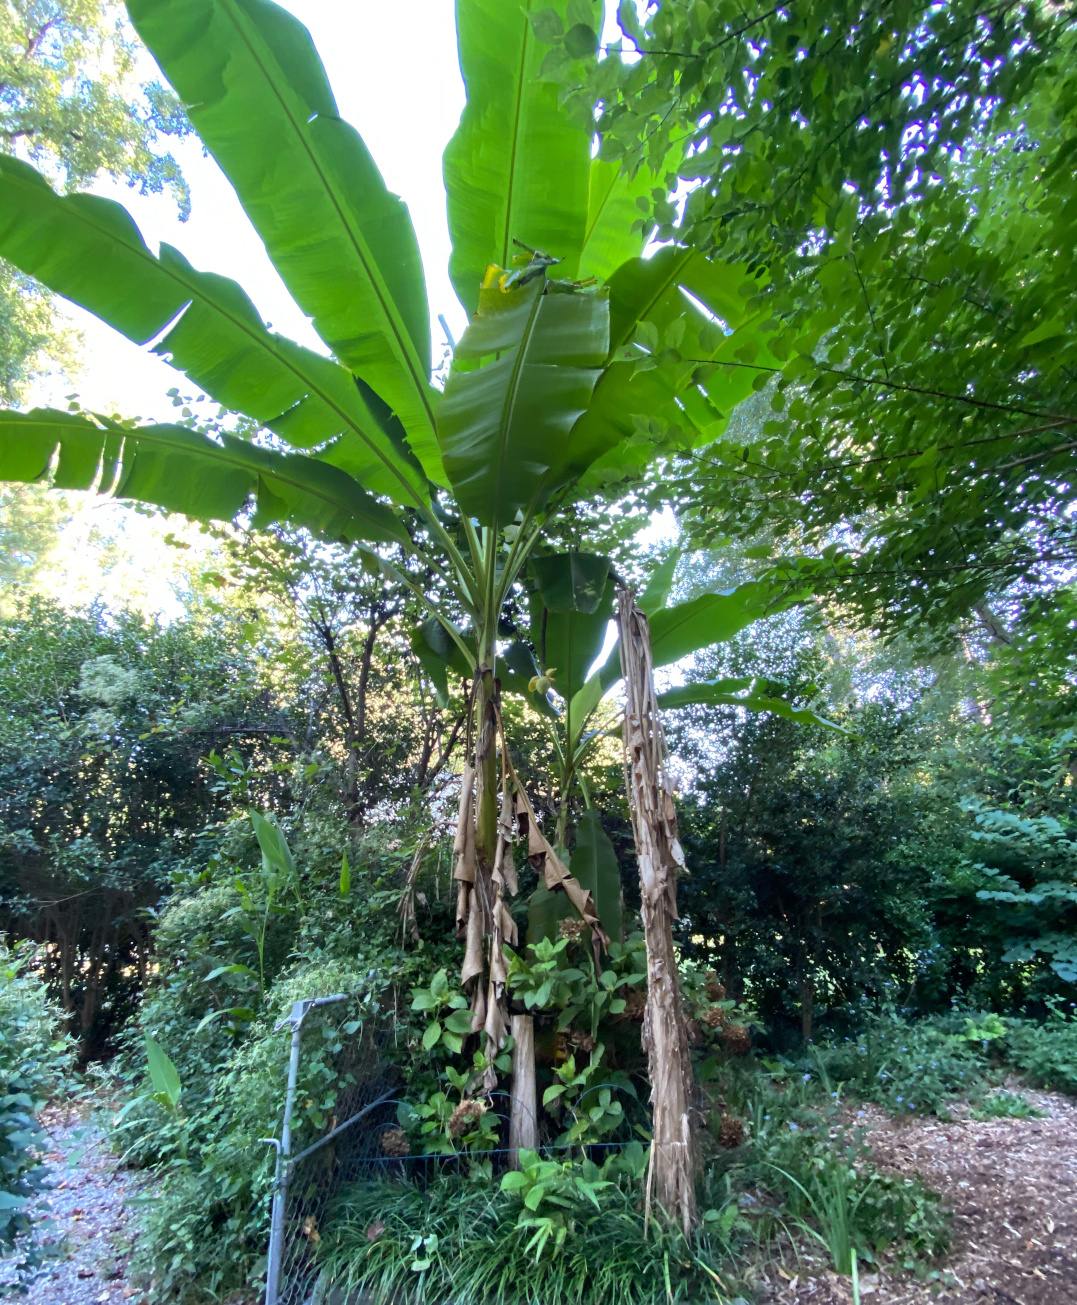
[570, 612]
[609, 239]
[89, 250]
[506, 428]
[184, 471]
[438, 653]
[705, 344]
[571, 582]
[687, 627]
[570, 641]
[518, 166]
[258, 96]
[740, 693]
[711, 618]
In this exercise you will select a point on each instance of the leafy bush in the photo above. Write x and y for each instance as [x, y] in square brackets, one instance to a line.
[34, 1061]
[552, 1234]
[803, 1151]
[908, 1066]
[238, 943]
[1046, 1053]
[1006, 1105]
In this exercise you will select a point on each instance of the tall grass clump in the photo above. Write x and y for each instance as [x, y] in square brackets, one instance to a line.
[473, 1244]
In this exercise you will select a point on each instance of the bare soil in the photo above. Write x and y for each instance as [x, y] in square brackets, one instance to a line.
[1012, 1187]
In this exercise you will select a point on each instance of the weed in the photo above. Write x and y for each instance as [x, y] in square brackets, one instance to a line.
[1006, 1105]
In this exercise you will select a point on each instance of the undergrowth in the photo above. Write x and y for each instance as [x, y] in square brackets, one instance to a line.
[473, 1243]
[568, 1232]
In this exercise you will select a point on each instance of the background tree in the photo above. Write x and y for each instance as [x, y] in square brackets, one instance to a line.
[893, 181]
[103, 791]
[71, 100]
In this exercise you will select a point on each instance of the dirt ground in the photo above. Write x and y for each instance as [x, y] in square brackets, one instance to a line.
[1012, 1187]
[90, 1216]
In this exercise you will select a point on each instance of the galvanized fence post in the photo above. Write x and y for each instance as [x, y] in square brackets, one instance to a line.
[298, 1014]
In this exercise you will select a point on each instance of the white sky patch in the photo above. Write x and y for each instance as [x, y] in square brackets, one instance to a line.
[405, 105]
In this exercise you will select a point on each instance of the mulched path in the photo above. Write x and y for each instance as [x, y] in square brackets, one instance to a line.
[1012, 1187]
[90, 1221]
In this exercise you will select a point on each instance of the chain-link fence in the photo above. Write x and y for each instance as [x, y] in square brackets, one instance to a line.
[364, 1143]
[308, 1180]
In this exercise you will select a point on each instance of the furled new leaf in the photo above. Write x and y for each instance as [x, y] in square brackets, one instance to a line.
[656, 595]
[276, 854]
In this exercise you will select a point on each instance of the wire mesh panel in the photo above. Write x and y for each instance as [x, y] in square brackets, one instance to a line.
[365, 1143]
[315, 1175]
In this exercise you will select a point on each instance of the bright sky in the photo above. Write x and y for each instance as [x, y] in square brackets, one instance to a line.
[395, 74]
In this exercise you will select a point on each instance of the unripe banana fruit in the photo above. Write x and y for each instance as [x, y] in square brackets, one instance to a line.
[542, 683]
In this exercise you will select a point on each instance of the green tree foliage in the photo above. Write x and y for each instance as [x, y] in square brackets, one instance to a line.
[103, 791]
[806, 887]
[895, 182]
[72, 103]
[340, 637]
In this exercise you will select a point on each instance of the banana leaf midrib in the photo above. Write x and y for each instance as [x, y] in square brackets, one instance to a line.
[507, 233]
[511, 395]
[403, 343]
[262, 339]
[664, 286]
[599, 213]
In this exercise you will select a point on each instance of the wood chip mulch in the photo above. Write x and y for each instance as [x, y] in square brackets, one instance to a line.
[1012, 1187]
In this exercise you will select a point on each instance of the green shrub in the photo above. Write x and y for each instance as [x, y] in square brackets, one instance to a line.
[213, 1008]
[908, 1066]
[1006, 1105]
[1046, 1053]
[803, 1151]
[35, 1058]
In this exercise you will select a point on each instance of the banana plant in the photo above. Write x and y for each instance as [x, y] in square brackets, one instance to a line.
[581, 362]
[570, 606]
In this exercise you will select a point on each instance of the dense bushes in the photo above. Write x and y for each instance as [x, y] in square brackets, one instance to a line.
[35, 1059]
[213, 1008]
[780, 1156]
[1046, 1053]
